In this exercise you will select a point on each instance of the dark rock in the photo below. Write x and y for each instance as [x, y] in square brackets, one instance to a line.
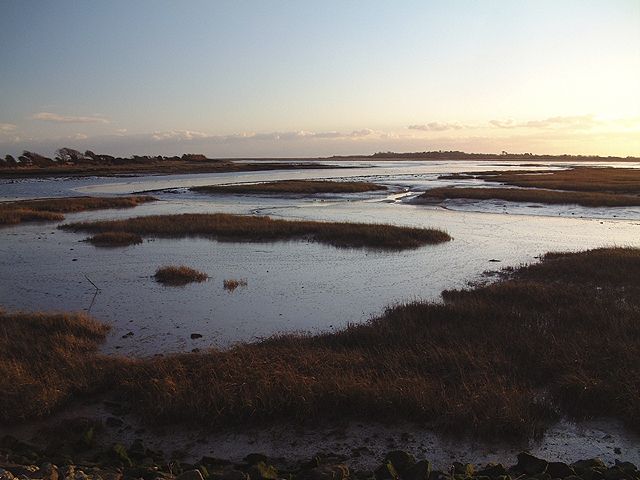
[386, 471]
[493, 470]
[465, 469]
[255, 458]
[327, 472]
[626, 466]
[614, 473]
[400, 460]
[531, 465]
[418, 471]
[195, 336]
[560, 470]
[232, 474]
[262, 471]
[120, 455]
[113, 422]
[190, 475]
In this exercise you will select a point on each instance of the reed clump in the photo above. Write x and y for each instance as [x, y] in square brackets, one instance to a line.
[179, 275]
[115, 239]
[231, 284]
[229, 227]
[53, 209]
[293, 187]
[587, 199]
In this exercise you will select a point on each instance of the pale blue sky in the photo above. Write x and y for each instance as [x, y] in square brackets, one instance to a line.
[293, 77]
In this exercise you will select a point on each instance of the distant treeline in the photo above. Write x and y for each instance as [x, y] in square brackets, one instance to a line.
[69, 156]
[457, 155]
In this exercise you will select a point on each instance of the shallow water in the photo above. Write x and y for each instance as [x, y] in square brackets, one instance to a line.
[291, 286]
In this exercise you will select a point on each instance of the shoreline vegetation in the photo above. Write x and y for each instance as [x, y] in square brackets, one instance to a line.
[586, 186]
[70, 162]
[230, 227]
[553, 197]
[177, 276]
[293, 187]
[499, 361]
[53, 209]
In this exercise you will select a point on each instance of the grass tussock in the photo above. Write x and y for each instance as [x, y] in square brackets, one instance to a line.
[584, 179]
[561, 337]
[232, 283]
[115, 239]
[178, 276]
[588, 199]
[45, 360]
[293, 187]
[228, 227]
[53, 209]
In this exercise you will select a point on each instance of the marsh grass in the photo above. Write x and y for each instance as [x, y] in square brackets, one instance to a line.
[179, 275]
[228, 227]
[53, 209]
[231, 284]
[115, 239]
[293, 187]
[588, 199]
[561, 337]
[583, 179]
[45, 360]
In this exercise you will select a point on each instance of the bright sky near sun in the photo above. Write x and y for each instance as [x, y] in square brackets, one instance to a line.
[287, 78]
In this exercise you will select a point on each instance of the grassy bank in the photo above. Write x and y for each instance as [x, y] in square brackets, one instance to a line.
[293, 187]
[588, 199]
[53, 209]
[46, 359]
[556, 338]
[584, 179]
[229, 227]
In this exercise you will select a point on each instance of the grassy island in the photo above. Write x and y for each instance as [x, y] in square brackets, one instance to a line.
[229, 227]
[293, 187]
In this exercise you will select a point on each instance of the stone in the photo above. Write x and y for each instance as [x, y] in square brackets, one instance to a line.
[255, 458]
[400, 460]
[190, 475]
[386, 471]
[531, 465]
[6, 474]
[328, 472]
[559, 470]
[232, 474]
[493, 470]
[418, 471]
[262, 471]
[465, 469]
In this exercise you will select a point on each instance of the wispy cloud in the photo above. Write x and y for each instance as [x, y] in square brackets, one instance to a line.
[7, 128]
[190, 135]
[575, 121]
[437, 126]
[54, 117]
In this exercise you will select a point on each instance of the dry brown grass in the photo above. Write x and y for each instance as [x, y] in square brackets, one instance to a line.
[45, 360]
[293, 187]
[179, 275]
[588, 199]
[53, 209]
[559, 337]
[229, 227]
[584, 179]
[232, 283]
[496, 361]
[115, 239]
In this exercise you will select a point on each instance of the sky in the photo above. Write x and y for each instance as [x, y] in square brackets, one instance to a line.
[300, 78]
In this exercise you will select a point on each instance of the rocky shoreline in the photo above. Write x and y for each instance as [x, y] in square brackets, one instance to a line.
[73, 457]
